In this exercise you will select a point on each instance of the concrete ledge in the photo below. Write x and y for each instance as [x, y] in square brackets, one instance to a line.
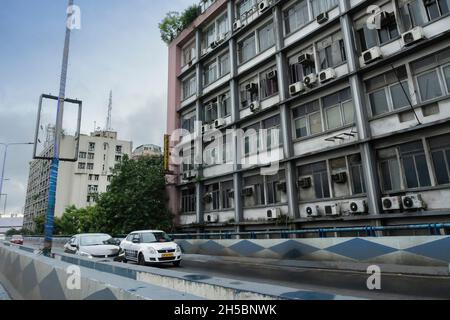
[28, 276]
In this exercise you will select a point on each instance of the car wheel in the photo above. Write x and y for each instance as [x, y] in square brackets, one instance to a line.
[141, 260]
[177, 263]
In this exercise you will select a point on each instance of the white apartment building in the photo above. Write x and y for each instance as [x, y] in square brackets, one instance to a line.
[148, 150]
[79, 183]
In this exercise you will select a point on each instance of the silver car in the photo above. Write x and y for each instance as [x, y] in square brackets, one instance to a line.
[98, 245]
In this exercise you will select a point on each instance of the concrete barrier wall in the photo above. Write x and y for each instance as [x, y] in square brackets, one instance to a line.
[28, 276]
[414, 251]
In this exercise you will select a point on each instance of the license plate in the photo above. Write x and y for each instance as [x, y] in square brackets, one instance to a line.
[167, 255]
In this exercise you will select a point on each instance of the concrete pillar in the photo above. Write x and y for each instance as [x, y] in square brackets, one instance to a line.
[285, 118]
[361, 116]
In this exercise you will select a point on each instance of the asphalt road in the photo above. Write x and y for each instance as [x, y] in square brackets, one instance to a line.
[349, 283]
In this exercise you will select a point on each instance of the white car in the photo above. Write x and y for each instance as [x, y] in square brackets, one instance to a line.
[151, 246]
[2, 237]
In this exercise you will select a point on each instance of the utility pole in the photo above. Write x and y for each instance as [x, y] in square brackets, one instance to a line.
[108, 118]
[58, 129]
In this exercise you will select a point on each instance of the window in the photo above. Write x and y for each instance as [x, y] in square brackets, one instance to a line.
[109, 178]
[210, 73]
[356, 174]
[370, 38]
[91, 156]
[91, 177]
[214, 191]
[243, 7]
[82, 155]
[96, 177]
[296, 16]
[388, 91]
[91, 146]
[256, 183]
[81, 165]
[119, 149]
[269, 83]
[273, 192]
[189, 87]
[404, 165]
[339, 166]
[209, 36]
[319, 173]
[273, 139]
[188, 200]
[436, 8]
[189, 54]
[411, 13]
[225, 104]
[247, 48]
[307, 119]
[321, 6]
[188, 160]
[92, 189]
[338, 109]
[224, 65]
[266, 37]
[251, 139]
[90, 166]
[432, 77]
[249, 92]
[227, 196]
[211, 111]
[188, 122]
[331, 51]
[222, 25]
[440, 153]
[118, 158]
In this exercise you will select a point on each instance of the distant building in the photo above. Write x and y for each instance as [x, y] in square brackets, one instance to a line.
[79, 183]
[147, 150]
[12, 222]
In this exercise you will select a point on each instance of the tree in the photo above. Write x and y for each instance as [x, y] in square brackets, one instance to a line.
[174, 22]
[136, 199]
[39, 223]
[75, 220]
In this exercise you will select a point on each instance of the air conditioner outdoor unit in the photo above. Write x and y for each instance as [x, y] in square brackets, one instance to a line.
[312, 211]
[358, 206]
[251, 87]
[296, 88]
[340, 177]
[371, 55]
[305, 59]
[212, 218]
[247, 192]
[310, 80]
[237, 25]
[273, 213]
[327, 75]
[272, 75]
[255, 106]
[391, 203]
[219, 123]
[413, 201]
[263, 5]
[412, 36]
[305, 182]
[282, 186]
[322, 18]
[332, 210]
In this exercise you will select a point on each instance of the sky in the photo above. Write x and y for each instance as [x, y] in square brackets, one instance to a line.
[118, 48]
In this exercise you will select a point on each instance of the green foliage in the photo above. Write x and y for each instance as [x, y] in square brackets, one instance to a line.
[76, 220]
[136, 199]
[174, 22]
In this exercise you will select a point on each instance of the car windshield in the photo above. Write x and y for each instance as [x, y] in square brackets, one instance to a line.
[151, 237]
[95, 240]
[16, 237]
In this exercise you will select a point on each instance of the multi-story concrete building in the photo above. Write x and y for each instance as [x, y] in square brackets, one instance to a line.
[147, 150]
[360, 93]
[79, 183]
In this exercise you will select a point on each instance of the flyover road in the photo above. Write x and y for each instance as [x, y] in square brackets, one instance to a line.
[340, 282]
[3, 294]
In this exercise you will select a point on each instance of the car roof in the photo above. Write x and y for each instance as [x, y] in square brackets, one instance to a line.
[146, 231]
[91, 234]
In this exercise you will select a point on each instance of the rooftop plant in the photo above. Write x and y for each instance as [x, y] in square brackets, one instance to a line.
[175, 22]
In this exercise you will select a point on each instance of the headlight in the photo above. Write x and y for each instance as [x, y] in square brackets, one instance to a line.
[151, 250]
[84, 254]
[178, 249]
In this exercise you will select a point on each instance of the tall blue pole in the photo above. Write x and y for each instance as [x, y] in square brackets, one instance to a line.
[49, 223]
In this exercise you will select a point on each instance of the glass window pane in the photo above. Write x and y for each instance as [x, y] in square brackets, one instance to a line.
[326, 186]
[315, 123]
[447, 77]
[385, 175]
[422, 169]
[318, 186]
[300, 127]
[410, 172]
[333, 115]
[394, 168]
[266, 37]
[429, 85]
[399, 98]
[349, 112]
[440, 167]
[378, 102]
